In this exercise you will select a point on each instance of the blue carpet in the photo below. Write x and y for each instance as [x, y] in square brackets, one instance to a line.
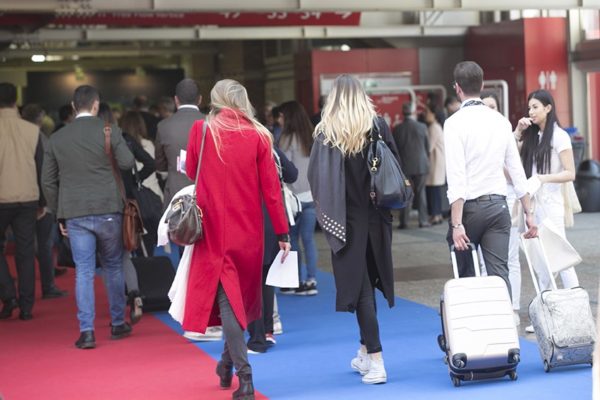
[312, 358]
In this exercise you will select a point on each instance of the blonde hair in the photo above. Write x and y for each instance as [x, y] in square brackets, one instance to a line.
[347, 116]
[230, 94]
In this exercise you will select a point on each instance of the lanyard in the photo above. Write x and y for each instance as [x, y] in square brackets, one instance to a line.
[473, 103]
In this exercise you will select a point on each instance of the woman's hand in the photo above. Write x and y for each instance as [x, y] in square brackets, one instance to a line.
[285, 247]
[523, 124]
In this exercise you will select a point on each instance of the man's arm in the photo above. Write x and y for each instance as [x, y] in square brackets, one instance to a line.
[50, 179]
[514, 167]
[120, 150]
[457, 183]
[159, 151]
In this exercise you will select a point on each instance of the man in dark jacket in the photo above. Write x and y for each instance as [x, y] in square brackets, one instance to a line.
[172, 136]
[413, 147]
[81, 190]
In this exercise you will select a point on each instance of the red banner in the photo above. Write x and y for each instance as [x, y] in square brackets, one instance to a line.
[230, 19]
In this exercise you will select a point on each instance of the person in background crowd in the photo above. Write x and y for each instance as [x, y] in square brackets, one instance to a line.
[21, 157]
[238, 170]
[514, 265]
[166, 107]
[133, 125]
[437, 167]
[547, 154]
[316, 118]
[296, 142]
[65, 116]
[262, 329]
[140, 104]
[81, 191]
[451, 105]
[134, 297]
[360, 235]
[45, 225]
[475, 162]
[413, 146]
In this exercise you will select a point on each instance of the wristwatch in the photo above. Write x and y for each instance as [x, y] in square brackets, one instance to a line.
[456, 226]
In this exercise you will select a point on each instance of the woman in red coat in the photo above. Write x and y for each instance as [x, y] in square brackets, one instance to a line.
[237, 174]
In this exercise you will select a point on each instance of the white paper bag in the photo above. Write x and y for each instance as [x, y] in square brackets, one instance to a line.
[284, 275]
[556, 249]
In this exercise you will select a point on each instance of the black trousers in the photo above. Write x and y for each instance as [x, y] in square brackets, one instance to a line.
[22, 220]
[260, 327]
[420, 200]
[366, 309]
[487, 224]
[44, 242]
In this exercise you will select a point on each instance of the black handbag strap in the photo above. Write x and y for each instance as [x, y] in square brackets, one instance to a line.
[204, 124]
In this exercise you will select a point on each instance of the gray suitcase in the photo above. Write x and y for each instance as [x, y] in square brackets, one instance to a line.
[563, 323]
[479, 335]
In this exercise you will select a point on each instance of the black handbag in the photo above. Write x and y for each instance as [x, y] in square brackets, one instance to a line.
[185, 216]
[389, 187]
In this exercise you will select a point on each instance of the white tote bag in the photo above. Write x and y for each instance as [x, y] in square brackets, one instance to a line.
[551, 246]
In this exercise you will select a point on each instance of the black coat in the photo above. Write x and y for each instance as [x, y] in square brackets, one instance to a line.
[141, 155]
[290, 174]
[368, 236]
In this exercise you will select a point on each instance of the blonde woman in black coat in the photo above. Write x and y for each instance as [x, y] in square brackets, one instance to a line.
[359, 234]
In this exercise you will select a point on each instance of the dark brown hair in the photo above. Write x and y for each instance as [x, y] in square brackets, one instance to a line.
[534, 149]
[469, 76]
[132, 123]
[296, 123]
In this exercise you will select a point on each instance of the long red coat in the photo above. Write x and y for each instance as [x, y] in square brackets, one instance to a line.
[230, 190]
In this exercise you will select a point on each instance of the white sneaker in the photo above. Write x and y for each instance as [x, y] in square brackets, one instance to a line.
[360, 363]
[212, 334]
[517, 318]
[277, 326]
[529, 329]
[376, 373]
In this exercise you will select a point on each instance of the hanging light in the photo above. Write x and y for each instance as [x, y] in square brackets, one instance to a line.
[37, 58]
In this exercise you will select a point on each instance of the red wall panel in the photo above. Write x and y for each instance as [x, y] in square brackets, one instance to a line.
[546, 52]
[594, 113]
[517, 52]
[499, 50]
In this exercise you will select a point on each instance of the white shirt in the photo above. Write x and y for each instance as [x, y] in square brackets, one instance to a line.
[83, 114]
[551, 193]
[479, 144]
[188, 106]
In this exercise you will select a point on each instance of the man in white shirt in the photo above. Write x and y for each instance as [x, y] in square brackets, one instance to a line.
[479, 145]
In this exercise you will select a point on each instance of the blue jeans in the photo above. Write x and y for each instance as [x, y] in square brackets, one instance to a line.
[102, 232]
[305, 229]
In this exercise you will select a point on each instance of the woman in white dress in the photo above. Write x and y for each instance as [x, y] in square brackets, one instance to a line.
[547, 154]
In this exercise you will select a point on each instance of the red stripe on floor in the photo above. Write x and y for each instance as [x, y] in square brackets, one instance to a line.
[38, 359]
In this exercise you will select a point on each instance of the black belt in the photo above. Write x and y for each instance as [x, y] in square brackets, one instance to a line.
[487, 197]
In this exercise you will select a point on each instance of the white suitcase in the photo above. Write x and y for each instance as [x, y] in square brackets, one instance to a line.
[562, 320]
[479, 335]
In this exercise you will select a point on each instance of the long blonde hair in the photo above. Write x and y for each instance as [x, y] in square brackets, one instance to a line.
[347, 116]
[230, 94]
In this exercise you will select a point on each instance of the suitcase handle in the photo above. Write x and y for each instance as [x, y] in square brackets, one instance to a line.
[473, 254]
[530, 265]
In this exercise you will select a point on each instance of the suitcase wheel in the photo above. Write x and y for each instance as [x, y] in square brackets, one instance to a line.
[455, 381]
[547, 367]
[513, 375]
[442, 342]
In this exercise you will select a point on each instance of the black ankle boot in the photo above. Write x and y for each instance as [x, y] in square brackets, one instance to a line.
[246, 389]
[9, 307]
[225, 374]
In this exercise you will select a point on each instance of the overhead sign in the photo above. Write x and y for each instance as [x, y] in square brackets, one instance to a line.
[230, 19]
